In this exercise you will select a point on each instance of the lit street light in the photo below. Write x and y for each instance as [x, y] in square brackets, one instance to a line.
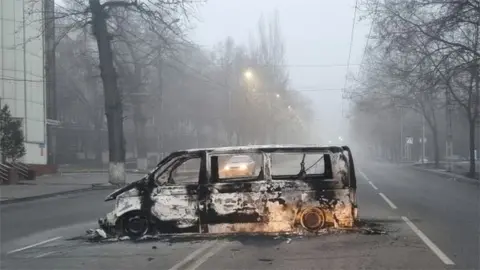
[340, 138]
[277, 95]
[289, 107]
[248, 75]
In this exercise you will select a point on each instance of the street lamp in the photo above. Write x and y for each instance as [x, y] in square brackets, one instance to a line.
[277, 95]
[248, 74]
[289, 107]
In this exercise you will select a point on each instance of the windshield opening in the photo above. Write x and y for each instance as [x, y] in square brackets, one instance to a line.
[186, 166]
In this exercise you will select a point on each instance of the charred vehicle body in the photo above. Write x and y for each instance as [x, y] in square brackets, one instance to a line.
[294, 188]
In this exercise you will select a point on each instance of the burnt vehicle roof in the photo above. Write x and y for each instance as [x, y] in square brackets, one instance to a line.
[285, 148]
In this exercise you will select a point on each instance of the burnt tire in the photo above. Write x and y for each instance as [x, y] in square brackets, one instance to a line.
[135, 224]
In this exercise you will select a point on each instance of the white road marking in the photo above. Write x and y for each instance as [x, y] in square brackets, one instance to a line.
[44, 254]
[206, 256]
[364, 176]
[368, 180]
[444, 258]
[192, 255]
[387, 200]
[371, 184]
[34, 245]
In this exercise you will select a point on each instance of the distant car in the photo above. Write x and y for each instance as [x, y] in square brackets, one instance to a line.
[425, 160]
[238, 166]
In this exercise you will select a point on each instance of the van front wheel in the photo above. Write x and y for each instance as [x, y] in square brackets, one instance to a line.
[135, 224]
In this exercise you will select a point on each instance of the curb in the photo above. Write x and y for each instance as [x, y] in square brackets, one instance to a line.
[43, 196]
[457, 177]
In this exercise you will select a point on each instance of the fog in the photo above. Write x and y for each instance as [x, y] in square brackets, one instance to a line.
[317, 36]
[209, 74]
[217, 73]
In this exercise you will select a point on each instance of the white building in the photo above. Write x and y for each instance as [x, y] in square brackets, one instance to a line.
[22, 72]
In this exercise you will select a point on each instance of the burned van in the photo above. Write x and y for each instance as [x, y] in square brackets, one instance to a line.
[292, 188]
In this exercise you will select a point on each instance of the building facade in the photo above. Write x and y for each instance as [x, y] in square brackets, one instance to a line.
[22, 72]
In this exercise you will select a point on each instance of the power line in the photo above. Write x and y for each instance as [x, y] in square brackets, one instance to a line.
[368, 38]
[304, 65]
[351, 41]
[317, 90]
[315, 65]
[214, 82]
[369, 32]
[350, 48]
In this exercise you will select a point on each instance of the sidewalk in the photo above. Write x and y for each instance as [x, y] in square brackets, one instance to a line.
[67, 181]
[52, 185]
[455, 176]
[93, 170]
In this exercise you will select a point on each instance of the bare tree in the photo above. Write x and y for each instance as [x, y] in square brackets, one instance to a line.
[439, 40]
[160, 16]
[196, 97]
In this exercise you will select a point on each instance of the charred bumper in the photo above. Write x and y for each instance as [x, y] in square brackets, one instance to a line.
[108, 223]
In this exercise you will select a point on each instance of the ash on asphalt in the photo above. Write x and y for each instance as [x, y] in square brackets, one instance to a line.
[364, 226]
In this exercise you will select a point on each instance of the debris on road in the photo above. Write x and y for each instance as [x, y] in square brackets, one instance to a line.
[96, 234]
[101, 233]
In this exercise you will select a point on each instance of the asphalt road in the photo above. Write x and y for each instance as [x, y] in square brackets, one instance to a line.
[432, 222]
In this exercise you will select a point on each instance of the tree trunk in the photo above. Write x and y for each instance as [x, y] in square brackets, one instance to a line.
[471, 136]
[113, 101]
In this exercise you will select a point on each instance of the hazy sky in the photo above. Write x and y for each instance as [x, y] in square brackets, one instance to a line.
[317, 38]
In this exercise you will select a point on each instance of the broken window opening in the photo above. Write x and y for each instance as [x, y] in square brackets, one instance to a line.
[180, 170]
[298, 166]
[186, 172]
[236, 167]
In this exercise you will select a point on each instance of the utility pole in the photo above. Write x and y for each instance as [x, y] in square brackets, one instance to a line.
[272, 119]
[402, 141]
[423, 139]
[449, 141]
[160, 106]
[49, 71]
[229, 104]
[423, 129]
